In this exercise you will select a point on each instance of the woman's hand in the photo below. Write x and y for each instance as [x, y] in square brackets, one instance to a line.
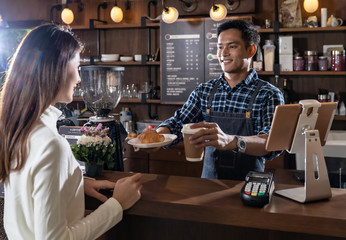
[92, 188]
[127, 190]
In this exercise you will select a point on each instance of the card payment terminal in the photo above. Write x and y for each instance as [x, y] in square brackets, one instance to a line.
[257, 189]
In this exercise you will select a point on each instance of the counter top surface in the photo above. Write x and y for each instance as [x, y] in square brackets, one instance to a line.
[218, 202]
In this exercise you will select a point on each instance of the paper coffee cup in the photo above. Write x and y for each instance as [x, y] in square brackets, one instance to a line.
[192, 154]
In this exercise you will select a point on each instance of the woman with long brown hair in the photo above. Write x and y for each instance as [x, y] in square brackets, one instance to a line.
[44, 186]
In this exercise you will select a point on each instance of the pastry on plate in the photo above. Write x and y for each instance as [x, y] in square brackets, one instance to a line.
[150, 136]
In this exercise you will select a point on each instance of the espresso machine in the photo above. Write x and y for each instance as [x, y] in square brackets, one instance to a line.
[102, 88]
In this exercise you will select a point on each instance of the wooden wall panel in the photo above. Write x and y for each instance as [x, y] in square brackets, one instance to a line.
[21, 10]
[125, 41]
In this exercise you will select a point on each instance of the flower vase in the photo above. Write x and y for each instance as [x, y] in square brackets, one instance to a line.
[93, 170]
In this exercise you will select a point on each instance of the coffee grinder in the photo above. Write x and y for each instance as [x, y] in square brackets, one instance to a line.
[102, 88]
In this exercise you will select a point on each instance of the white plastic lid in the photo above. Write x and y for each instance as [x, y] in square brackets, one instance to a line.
[186, 129]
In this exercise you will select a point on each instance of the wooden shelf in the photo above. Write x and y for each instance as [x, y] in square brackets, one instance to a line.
[125, 100]
[339, 118]
[129, 100]
[304, 29]
[306, 73]
[115, 26]
[119, 26]
[157, 25]
[132, 63]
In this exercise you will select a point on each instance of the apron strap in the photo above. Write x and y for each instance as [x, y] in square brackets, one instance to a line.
[211, 96]
[249, 108]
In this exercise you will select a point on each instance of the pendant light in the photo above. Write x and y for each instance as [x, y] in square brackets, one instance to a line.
[310, 6]
[169, 14]
[67, 15]
[116, 13]
[218, 12]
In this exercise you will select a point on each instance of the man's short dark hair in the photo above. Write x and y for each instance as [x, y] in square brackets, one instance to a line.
[250, 34]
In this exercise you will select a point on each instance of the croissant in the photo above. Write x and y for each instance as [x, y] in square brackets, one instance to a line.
[150, 136]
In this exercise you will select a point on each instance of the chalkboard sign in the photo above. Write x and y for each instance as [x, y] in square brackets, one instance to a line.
[188, 56]
[71, 133]
[212, 65]
[182, 59]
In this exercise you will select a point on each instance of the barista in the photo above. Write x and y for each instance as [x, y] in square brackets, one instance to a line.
[235, 110]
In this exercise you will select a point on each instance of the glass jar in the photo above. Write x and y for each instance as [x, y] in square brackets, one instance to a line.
[298, 63]
[322, 63]
[337, 61]
[269, 53]
[311, 60]
[323, 98]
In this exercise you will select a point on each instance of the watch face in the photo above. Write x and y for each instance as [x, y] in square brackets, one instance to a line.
[241, 144]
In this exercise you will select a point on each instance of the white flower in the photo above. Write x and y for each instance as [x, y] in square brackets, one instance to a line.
[93, 141]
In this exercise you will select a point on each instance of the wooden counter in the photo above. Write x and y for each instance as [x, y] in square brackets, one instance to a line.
[175, 207]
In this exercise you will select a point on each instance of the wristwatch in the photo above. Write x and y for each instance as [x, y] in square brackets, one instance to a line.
[241, 144]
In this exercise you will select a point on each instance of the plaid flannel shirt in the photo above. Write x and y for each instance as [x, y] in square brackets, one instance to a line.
[232, 100]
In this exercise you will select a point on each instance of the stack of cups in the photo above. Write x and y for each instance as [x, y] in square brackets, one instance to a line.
[192, 154]
[323, 17]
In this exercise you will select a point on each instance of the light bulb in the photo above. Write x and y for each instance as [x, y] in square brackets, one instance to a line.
[219, 13]
[67, 16]
[117, 14]
[310, 6]
[170, 15]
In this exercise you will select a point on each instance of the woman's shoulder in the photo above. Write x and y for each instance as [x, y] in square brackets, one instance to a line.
[42, 137]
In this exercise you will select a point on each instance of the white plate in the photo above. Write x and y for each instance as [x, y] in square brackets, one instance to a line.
[108, 60]
[126, 59]
[169, 138]
[109, 57]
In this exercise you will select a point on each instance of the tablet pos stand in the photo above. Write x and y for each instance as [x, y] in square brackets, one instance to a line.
[306, 142]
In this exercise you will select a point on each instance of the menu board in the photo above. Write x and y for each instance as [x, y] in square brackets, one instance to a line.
[212, 66]
[182, 59]
[188, 56]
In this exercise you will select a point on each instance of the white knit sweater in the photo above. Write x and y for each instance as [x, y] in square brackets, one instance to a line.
[45, 199]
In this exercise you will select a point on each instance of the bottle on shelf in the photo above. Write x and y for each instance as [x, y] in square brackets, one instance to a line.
[298, 63]
[122, 115]
[269, 53]
[311, 60]
[125, 115]
[126, 119]
[77, 110]
[286, 93]
[337, 61]
[258, 62]
[276, 83]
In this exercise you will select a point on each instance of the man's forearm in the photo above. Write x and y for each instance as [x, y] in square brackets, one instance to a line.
[255, 145]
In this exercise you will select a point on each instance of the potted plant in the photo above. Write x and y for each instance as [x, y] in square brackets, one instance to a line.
[94, 148]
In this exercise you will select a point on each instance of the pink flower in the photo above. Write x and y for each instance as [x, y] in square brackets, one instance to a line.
[95, 131]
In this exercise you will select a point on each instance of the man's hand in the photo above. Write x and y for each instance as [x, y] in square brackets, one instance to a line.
[92, 188]
[212, 135]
